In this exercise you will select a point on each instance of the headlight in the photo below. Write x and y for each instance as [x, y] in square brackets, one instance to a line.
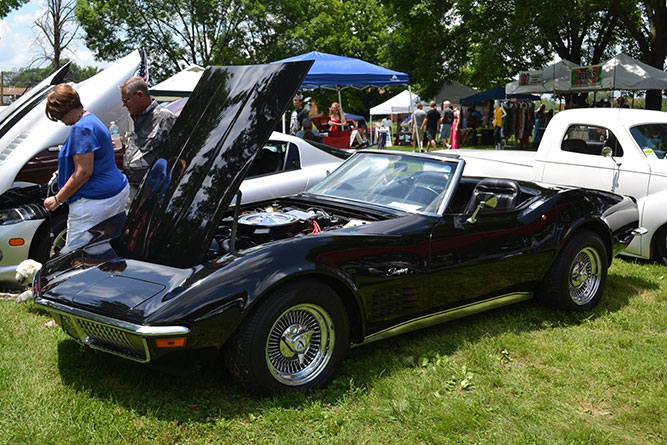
[22, 213]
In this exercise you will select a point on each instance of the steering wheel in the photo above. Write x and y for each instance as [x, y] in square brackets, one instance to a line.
[425, 193]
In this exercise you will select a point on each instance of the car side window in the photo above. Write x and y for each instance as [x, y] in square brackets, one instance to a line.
[269, 160]
[589, 140]
[293, 160]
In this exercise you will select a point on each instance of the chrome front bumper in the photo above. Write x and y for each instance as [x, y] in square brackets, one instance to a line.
[127, 340]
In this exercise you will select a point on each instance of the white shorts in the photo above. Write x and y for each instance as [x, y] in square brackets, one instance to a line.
[85, 213]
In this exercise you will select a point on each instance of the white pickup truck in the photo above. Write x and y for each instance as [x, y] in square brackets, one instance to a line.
[619, 150]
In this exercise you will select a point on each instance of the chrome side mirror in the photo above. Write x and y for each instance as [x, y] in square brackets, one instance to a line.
[606, 151]
[490, 200]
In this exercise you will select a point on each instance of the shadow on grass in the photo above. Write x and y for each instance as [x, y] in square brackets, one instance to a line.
[209, 392]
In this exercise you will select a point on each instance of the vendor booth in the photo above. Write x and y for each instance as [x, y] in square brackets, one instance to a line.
[403, 103]
[518, 110]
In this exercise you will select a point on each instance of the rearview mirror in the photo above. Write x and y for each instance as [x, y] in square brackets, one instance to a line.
[606, 151]
[490, 201]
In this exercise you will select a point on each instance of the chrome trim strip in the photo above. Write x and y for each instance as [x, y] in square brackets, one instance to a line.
[145, 331]
[447, 315]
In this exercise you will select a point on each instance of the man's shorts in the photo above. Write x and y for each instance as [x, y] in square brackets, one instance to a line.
[430, 134]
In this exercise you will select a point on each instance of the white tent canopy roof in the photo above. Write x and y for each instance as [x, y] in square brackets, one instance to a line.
[555, 79]
[180, 84]
[621, 72]
[399, 104]
[625, 73]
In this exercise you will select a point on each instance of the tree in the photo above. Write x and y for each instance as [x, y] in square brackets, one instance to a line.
[646, 23]
[175, 33]
[7, 6]
[57, 28]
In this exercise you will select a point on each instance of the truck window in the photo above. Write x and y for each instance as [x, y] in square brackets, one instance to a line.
[589, 140]
[652, 139]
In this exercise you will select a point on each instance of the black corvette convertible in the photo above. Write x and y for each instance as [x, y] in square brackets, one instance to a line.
[387, 243]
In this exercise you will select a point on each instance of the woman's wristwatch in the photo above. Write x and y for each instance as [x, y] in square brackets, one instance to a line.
[57, 200]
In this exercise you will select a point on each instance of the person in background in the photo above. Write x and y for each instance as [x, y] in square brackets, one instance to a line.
[455, 135]
[446, 123]
[416, 127]
[498, 114]
[388, 124]
[307, 126]
[298, 115]
[540, 122]
[148, 128]
[337, 121]
[88, 179]
[431, 126]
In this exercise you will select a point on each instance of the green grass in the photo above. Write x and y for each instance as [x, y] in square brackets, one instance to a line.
[523, 374]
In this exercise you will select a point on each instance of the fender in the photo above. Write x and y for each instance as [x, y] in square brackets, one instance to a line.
[652, 211]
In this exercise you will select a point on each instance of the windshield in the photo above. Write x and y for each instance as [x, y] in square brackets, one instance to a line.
[652, 139]
[403, 182]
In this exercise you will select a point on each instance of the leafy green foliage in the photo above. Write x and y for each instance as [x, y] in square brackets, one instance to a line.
[7, 6]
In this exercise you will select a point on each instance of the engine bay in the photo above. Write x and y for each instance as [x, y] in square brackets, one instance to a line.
[276, 221]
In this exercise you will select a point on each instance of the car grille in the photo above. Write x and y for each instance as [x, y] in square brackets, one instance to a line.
[106, 338]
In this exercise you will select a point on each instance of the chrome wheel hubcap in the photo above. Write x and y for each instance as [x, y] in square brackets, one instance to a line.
[58, 243]
[585, 276]
[300, 344]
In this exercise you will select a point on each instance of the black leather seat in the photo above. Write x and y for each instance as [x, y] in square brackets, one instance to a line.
[575, 146]
[507, 191]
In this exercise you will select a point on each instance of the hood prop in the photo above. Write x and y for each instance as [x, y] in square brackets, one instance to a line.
[235, 222]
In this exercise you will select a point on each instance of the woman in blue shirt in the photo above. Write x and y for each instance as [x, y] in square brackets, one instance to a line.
[88, 179]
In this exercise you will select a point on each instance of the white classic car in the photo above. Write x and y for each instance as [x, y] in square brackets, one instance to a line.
[614, 149]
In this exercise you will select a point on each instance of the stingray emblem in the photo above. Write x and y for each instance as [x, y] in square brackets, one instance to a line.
[398, 271]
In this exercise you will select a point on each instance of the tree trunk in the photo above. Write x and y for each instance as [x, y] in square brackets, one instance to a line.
[654, 99]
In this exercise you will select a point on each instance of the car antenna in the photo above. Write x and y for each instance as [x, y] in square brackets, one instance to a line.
[235, 222]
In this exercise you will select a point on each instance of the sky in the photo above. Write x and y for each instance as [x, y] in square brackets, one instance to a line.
[17, 40]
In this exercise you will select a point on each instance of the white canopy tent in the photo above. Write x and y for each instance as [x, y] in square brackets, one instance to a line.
[621, 72]
[179, 85]
[625, 73]
[551, 79]
[399, 104]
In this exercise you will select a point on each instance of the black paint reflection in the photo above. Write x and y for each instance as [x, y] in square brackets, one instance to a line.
[224, 124]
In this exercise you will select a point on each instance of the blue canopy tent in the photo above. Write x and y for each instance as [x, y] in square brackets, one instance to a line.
[338, 72]
[493, 94]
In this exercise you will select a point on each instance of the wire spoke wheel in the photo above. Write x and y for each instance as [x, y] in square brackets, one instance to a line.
[58, 243]
[585, 276]
[300, 344]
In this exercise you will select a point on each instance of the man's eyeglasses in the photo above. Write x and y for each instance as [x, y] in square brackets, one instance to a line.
[125, 99]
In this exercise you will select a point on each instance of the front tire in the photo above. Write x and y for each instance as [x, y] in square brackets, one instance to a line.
[577, 277]
[660, 245]
[294, 340]
[43, 247]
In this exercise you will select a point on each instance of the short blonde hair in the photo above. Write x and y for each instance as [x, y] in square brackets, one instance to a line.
[61, 101]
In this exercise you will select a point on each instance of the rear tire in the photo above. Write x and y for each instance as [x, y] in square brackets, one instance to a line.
[293, 340]
[660, 245]
[577, 277]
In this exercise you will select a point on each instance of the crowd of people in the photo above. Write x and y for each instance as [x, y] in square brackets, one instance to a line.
[310, 124]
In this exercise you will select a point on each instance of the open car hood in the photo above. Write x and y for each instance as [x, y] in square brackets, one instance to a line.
[224, 124]
[27, 131]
